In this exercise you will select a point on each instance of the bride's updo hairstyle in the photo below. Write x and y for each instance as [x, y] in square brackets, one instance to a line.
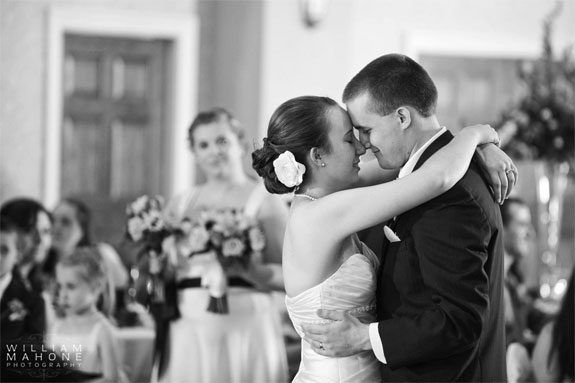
[297, 125]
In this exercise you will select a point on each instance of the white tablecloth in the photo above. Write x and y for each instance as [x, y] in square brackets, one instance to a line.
[136, 347]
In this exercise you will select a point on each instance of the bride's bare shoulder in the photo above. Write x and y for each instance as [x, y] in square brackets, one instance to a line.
[303, 216]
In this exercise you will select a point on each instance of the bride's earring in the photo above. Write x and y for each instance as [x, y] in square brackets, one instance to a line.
[316, 157]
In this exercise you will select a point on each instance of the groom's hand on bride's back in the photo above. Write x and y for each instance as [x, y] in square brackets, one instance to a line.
[345, 336]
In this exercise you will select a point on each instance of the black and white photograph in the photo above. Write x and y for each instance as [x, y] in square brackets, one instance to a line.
[277, 191]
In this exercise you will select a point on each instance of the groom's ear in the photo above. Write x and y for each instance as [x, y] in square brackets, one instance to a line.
[403, 117]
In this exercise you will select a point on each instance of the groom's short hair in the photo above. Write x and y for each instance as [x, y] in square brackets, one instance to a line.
[392, 81]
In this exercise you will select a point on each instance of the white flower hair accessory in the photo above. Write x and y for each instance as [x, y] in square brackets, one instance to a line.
[289, 171]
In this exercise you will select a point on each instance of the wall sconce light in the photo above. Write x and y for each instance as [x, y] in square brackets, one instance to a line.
[313, 11]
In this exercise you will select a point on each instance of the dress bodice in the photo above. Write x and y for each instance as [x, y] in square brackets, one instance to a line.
[78, 344]
[351, 288]
[186, 205]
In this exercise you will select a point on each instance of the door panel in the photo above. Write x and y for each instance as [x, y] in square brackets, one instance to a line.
[82, 75]
[114, 129]
[129, 179]
[83, 171]
[472, 90]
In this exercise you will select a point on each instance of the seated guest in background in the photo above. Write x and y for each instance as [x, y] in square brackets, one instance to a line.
[23, 317]
[81, 278]
[34, 225]
[246, 344]
[522, 320]
[22, 309]
[72, 220]
[553, 355]
[518, 239]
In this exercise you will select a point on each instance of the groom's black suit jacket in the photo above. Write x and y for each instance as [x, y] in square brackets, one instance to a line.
[32, 322]
[440, 289]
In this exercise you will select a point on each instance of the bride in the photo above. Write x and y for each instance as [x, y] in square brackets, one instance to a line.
[311, 150]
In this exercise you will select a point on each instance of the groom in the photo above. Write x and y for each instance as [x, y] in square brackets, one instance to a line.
[439, 294]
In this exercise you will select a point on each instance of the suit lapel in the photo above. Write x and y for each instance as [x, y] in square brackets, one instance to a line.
[387, 295]
[14, 289]
[439, 143]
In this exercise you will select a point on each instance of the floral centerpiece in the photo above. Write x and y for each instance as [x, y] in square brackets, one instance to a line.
[541, 124]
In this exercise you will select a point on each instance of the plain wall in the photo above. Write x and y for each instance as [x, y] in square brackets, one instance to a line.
[299, 60]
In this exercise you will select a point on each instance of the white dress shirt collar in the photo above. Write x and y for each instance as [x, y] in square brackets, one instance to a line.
[412, 161]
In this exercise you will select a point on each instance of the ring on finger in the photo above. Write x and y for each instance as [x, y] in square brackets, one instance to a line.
[321, 346]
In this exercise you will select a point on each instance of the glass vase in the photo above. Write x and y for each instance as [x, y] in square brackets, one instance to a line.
[551, 186]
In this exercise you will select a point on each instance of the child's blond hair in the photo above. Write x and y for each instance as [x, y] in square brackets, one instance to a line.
[92, 270]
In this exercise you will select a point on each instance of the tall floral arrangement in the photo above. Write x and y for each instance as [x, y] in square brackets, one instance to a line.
[541, 124]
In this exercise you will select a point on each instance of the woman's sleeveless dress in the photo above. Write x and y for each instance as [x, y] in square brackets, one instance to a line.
[245, 345]
[351, 288]
[81, 348]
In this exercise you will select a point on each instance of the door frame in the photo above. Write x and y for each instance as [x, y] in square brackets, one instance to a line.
[442, 43]
[181, 29]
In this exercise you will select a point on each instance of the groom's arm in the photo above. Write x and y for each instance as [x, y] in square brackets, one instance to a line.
[452, 247]
[344, 336]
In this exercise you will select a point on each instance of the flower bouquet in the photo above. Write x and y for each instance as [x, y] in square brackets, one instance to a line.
[147, 228]
[145, 224]
[232, 236]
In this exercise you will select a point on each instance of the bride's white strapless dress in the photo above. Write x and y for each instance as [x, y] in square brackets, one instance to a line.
[351, 288]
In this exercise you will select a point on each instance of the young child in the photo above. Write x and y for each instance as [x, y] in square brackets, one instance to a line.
[88, 337]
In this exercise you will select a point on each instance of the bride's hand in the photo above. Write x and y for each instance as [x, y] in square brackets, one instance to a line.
[500, 170]
[485, 134]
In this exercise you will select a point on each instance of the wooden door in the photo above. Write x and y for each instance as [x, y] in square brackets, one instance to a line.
[114, 130]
